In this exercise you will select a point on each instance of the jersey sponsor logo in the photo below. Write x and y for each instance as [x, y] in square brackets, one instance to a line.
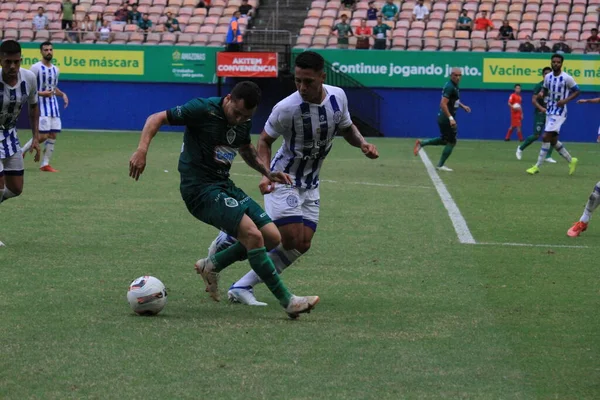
[224, 154]
[231, 136]
[337, 117]
[292, 201]
[262, 215]
[231, 202]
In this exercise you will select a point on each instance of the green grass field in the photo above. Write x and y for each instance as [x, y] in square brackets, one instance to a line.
[406, 310]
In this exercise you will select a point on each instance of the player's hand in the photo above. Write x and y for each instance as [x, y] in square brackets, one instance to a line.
[561, 103]
[266, 186]
[66, 100]
[35, 145]
[369, 150]
[280, 177]
[582, 101]
[467, 108]
[137, 164]
[453, 123]
[544, 110]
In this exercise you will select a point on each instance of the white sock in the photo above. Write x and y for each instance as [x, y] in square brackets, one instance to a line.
[27, 146]
[282, 259]
[543, 153]
[591, 204]
[6, 194]
[562, 151]
[48, 150]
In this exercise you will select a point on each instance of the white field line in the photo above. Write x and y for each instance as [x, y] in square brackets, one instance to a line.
[460, 225]
[566, 246]
[353, 183]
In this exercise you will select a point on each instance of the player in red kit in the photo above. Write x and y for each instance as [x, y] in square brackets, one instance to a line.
[516, 113]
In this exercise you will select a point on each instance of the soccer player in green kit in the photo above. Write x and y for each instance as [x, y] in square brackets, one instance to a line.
[216, 129]
[539, 119]
[450, 102]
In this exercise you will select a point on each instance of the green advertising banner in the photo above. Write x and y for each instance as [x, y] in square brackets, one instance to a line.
[422, 69]
[81, 62]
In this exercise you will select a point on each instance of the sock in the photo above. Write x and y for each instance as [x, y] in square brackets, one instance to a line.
[591, 204]
[507, 137]
[224, 258]
[562, 151]
[432, 142]
[48, 150]
[27, 146]
[281, 258]
[530, 139]
[519, 135]
[543, 152]
[264, 268]
[6, 194]
[445, 154]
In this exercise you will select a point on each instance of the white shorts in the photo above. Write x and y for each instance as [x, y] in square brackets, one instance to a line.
[553, 123]
[50, 125]
[12, 165]
[288, 205]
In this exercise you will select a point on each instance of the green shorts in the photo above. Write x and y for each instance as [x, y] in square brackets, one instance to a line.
[223, 205]
[447, 132]
[539, 122]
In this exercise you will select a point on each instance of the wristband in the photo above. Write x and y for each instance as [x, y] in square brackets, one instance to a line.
[451, 118]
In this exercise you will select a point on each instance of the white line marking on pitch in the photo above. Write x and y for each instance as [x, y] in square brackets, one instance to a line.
[356, 183]
[567, 246]
[460, 225]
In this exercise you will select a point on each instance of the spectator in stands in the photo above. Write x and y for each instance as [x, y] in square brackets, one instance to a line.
[593, 42]
[104, 34]
[380, 33]
[204, 4]
[67, 11]
[526, 47]
[40, 21]
[561, 47]
[246, 10]
[134, 16]
[344, 30]
[543, 48]
[73, 33]
[483, 23]
[390, 11]
[420, 12]
[372, 11]
[234, 34]
[464, 23]
[350, 4]
[121, 15]
[363, 33]
[145, 25]
[171, 24]
[86, 26]
[99, 21]
[506, 32]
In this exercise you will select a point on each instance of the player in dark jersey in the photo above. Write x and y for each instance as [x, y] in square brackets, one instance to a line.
[216, 129]
[448, 130]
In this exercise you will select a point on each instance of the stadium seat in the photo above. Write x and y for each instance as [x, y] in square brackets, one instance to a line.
[563, 8]
[461, 35]
[329, 13]
[463, 45]
[153, 38]
[193, 29]
[439, 6]
[315, 13]
[307, 31]
[208, 29]
[335, 4]
[26, 35]
[304, 41]
[431, 44]
[318, 4]
[578, 47]
[11, 25]
[479, 45]
[57, 37]
[185, 39]
[533, 8]
[430, 33]
[120, 38]
[221, 30]
[40, 36]
[200, 40]
[446, 34]
[572, 36]
[200, 12]
[8, 6]
[447, 44]
[196, 20]
[555, 36]
[415, 33]
[322, 32]
[512, 46]
[495, 45]
[415, 44]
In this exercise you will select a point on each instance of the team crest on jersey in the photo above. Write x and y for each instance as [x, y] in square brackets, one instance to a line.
[231, 136]
[337, 117]
[292, 201]
[321, 118]
[231, 202]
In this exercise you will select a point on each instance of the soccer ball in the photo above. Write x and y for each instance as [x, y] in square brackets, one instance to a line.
[516, 106]
[147, 295]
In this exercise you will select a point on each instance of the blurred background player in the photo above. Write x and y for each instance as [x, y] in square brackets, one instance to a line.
[445, 119]
[594, 198]
[560, 88]
[516, 113]
[18, 87]
[308, 121]
[47, 83]
[539, 118]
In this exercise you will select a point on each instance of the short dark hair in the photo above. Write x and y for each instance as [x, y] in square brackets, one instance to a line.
[310, 60]
[9, 47]
[517, 84]
[556, 55]
[343, 15]
[546, 69]
[46, 43]
[594, 29]
[247, 91]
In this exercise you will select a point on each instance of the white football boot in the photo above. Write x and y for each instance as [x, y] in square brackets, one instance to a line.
[299, 305]
[243, 295]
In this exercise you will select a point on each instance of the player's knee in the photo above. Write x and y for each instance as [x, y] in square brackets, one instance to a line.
[254, 238]
[303, 246]
[272, 239]
[289, 242]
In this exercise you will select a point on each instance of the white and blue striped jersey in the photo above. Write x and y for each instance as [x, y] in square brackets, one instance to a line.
[12, 99]
[47, 80]
[308, 131]
[558, 88]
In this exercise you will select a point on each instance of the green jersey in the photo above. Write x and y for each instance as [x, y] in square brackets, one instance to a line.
[380, 31]
[541, 101]
[343, 31]
[68, 9]
[389, 10]
[451, 92]
[209, 143]
[464, 20]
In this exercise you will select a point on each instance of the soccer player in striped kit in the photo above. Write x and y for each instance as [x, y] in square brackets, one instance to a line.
[308, 121]
[560, 88]
[17, 86]
[47, 80]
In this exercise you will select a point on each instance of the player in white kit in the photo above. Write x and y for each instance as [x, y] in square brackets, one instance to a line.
[17, 87]
[48, 92]
[560, 88]
[308, 120]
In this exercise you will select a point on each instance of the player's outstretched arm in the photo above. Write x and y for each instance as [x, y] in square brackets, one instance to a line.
[137, 162]
[583, 101]
[465, 107]
[34, 121]
[353, 136]
[250, 156]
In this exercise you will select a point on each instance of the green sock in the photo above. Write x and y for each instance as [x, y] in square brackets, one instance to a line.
[432, 142]
[530, 139]
[549, 154]
[225, 258]
[445, 154]
[264, 268]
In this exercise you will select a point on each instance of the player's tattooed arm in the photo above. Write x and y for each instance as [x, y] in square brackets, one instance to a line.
[353, 136]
